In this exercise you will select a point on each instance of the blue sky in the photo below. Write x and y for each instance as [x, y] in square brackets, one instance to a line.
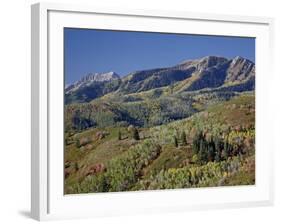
[89, 50]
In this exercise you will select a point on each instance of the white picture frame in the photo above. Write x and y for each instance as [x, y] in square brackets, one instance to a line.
[48, 201]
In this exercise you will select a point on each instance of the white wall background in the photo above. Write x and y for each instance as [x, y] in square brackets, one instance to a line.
[15, 110]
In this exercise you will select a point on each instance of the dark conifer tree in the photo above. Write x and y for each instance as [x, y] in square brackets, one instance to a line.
[202, 155]
[211, 153]
[136, 134]
[196, 143]
[217, 156]
[183, 138]
[119, 135]
[176, 142]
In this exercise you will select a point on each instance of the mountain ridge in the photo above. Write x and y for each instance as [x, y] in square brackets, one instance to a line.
[189, 75]
[92, 77]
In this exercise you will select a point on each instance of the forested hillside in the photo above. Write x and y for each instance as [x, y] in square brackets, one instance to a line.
[190, 125]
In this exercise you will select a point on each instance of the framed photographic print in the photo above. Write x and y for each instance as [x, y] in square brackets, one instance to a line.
[148, 111]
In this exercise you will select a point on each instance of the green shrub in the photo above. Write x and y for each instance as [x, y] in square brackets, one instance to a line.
[122, 171]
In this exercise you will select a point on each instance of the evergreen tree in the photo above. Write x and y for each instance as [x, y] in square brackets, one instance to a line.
[176, 142]
[196, 143]
[211, 153]
[202, 154]
[217, 156]
[136, 134]
[195, 146]
[212, 143]
[183, 138]
[223, 154]
[229, 149]
[217, 144]
[119, 135]
[226, 150]
[225, 145]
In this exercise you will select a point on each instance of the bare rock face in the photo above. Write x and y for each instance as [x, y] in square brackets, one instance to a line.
[210, 61]
[240, 69]
[90, 78]
[100, 77]
[202, 63]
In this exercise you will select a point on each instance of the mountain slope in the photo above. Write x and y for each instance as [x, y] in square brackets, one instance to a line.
[232, 122]
[208, 72]
[240, 69]
[91, 78]
[91, 87]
